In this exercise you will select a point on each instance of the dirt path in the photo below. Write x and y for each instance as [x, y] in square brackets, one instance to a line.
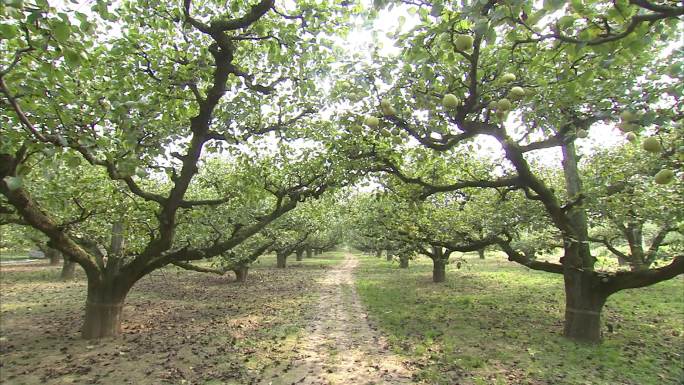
[340, 347]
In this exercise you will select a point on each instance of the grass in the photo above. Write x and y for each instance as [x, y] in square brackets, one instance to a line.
[179, 327]
[7, 255]
[494, 322]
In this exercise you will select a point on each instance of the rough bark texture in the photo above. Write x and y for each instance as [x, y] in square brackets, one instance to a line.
[438, 270]
[584, 300]
[103, 313]
[68, 270]
[281, 260]
[241, 274]
[53, 255]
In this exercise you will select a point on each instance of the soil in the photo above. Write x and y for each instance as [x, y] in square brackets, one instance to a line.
[341, 346]
[304, 324]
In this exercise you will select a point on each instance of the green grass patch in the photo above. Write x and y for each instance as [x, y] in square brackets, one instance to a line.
[497, 322]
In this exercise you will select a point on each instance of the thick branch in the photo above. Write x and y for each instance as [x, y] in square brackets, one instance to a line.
[635, 279]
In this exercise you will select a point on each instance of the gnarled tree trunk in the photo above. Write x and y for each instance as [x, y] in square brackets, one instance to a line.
[68, 269]
[584, 300]
[438, 270]
[104, 308]
[53, 255]
[281, 260]
[241, 273]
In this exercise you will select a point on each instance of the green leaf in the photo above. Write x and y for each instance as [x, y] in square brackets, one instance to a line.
[553, 5]
[61, 31]
[72, 57]
[8, 31]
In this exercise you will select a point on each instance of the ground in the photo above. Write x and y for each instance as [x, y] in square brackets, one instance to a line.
[337, 319]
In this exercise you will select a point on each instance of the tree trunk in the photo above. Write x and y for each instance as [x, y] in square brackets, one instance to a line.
[241, 274]
[68, 269]
[309, 252]
[103, 313]
[584, 300]
[389, 257]
[53, 255]
[300, 254]
[481, 253]
[404, 262]
[378, 253]
[281, 260]
[438, 270]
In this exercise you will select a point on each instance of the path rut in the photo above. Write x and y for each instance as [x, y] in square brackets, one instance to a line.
[340, 346]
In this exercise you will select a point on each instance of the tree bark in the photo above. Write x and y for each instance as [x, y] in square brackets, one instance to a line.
[281, 260]
[68, 270]
[104, 305]
[53, 255]
[300, 254]
[389, 257]
[309, 252]
[378, 253]
[438, 270]
[584, 300]
[481, 253]
[403, 262]
[241, 274]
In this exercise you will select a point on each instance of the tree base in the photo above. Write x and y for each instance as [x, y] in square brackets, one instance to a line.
[102, 320]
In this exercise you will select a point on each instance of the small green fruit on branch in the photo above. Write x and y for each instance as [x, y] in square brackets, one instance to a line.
[629, 121]
[631, 137]
[516, 93]
[508, 77]
[387, 108]
[450, 101]
[651, 145]
[664, 176]
[464, 42]
[372, 122]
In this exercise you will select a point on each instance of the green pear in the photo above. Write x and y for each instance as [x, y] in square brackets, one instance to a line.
[651, 145]
[504, 105]
[450, 101]
[508, 77]
[631, 137]
[664, 176]
[372, 121]
[516, 93]
[464, 42]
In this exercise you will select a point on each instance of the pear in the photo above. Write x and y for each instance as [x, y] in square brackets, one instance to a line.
[464, 42]
[664, 176]
[387, 108]
[450, 101]
[651, 145]
[516, 93]
[631, 137]
[371, 121]
[508, 77]
[503, 105]
[628, 116]
[582, 134]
